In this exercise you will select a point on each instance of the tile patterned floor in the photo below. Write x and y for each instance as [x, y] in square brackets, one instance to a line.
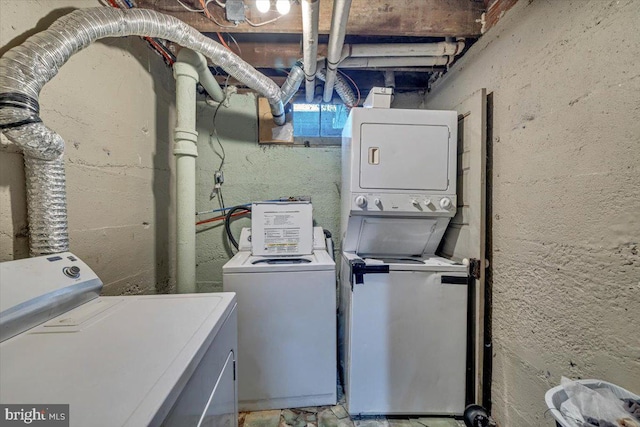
[334, 416]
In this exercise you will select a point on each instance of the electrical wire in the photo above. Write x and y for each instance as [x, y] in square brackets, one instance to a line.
[236, 43]
[224, 43]
[222, 210]
[354, 85]
[214, 131]
[209, 15]
[220, 218]
[260, 24]
[188, 8]
[204, 8]
[156, 44]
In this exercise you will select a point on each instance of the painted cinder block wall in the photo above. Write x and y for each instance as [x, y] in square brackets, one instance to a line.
[255, 172]
[565, 78]
[113, 105]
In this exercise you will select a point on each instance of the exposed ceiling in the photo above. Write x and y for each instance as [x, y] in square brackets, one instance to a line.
[272, 42]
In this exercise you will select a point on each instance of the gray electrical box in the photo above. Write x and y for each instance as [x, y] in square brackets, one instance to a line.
[235, 10]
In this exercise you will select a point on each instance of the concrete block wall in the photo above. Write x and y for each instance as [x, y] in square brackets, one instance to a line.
[565, 79]
[112, 103]
[254, 172]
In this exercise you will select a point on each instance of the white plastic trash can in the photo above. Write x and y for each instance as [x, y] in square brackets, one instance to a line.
[556, 396]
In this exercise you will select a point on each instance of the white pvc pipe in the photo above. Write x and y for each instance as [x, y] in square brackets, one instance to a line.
[406, 61]
[310, 18]
[402, 49]
[206, 79]
[185, 150]
[339, 20]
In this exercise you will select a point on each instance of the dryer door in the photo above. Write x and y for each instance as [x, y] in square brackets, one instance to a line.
[404, 157]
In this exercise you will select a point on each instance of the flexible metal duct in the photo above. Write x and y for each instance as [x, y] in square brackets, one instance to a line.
[292, 84]
[25, 69]
[342, 88]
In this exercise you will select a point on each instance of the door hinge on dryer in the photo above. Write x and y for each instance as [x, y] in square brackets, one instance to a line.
[474, 268]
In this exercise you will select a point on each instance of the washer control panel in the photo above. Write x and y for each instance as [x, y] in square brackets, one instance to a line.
[405, 203]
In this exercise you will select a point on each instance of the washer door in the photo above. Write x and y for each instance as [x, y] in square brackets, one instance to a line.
[408, 344]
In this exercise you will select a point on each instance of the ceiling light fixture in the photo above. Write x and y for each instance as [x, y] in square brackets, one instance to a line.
[283, 6]
[263, 6]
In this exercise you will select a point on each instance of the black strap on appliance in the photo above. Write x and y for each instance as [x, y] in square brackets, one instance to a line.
[359, 268]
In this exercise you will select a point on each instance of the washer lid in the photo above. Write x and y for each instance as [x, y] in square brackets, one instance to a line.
[244, 262]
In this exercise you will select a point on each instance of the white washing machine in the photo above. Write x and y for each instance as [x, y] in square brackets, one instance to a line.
[286, 326]
[403, 310]
[116, 361]
[404, 335]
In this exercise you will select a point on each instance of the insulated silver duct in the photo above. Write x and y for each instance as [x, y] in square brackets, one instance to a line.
[293, 82]
[342, 88]
[25, 69]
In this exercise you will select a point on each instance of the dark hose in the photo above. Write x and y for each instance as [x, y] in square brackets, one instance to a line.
[227, 222]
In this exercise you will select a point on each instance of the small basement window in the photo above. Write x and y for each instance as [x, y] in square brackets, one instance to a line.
[317, 122]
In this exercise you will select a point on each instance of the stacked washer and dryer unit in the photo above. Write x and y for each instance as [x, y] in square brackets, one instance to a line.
[403, 310]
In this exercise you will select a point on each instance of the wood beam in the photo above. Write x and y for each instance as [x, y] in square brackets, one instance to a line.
[418, 18]
[266, 55]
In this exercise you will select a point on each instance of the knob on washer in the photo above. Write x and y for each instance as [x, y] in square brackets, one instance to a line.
[445, 203]
[361, 201]
[73, 272]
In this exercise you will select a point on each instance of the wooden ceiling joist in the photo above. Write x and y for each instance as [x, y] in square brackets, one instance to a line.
[418, 18]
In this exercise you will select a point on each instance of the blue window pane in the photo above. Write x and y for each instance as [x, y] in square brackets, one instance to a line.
[332, 119]
[306, 120]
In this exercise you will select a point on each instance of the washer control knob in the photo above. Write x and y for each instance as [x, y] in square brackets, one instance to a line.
[378, 203]
[361, 201]
[73, 272]
[445, 203]
[427, 202]
[415, 203]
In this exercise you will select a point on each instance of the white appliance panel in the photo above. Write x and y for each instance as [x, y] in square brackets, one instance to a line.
[397, 236]
[404, 342]
[222, 408]
[210, 395]
[286, 333]
[116, 360]
[404, 157]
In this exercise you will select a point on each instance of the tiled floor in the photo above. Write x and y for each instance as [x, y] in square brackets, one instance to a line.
[334, 416]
